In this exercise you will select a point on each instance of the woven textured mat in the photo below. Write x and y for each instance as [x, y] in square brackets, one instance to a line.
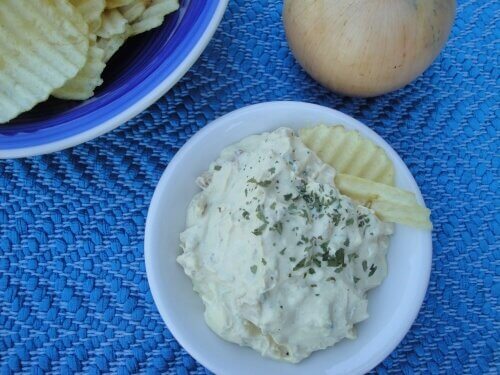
[73, 289]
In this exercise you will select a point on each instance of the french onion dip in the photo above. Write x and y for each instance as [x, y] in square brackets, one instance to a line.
[280, 258]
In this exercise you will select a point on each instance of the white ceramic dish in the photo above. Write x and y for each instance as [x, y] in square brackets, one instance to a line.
[392, 307]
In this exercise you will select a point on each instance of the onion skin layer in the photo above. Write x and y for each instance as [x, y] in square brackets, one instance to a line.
[367, 47]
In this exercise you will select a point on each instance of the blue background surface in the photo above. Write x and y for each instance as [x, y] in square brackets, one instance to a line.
[73, 289]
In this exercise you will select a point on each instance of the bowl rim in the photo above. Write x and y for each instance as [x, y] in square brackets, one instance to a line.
[133, 110]
[155, 208]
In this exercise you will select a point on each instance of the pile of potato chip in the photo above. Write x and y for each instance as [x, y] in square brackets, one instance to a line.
[61, 47]
[366, 174]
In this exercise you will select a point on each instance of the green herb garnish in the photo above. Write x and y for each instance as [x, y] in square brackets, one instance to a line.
[217, 167]
[278, 227]
[260, 214]
[352, 256]
[337, 260]
[265, 183]
[373, 268]
[305, 215]
[253, 268]
[261, 217]
[324, 247]
[335, 218]
[309, 248]
[258, 231]
[299, 265]
[363, 220]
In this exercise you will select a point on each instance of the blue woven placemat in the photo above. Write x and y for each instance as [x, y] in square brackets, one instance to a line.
[73, 289]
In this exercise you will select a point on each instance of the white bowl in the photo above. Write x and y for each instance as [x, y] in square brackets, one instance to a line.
[393, 306]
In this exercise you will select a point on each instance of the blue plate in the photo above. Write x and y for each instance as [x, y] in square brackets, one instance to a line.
[145, 68]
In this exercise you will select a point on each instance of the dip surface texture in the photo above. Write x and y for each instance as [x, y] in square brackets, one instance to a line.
[280, 258]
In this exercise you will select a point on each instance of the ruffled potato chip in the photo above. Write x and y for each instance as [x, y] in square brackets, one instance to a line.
[61, 47]
[366, 174]
[111, 45]
[83, 85]
[389, 203]
[349, 152]
[133, 10]
[43, 44]
[113, 23]
[91, 10]
[110, 4]
[154, 14]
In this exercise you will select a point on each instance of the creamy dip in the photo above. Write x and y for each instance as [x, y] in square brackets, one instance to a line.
[280, 258]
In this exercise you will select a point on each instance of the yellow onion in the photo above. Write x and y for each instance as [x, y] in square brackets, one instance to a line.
[367, 47]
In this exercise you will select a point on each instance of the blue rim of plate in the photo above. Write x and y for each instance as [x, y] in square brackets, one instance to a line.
[185, 34]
